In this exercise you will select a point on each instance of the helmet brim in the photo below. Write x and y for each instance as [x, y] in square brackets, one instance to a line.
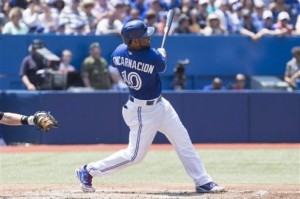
[149, 32]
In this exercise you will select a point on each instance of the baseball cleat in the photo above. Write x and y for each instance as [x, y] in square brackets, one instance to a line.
[85, 179]
[210, 187]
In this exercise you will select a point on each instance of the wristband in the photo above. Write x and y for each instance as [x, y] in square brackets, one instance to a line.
[25, 120]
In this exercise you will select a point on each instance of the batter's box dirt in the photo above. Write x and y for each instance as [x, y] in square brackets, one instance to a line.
[158, 191]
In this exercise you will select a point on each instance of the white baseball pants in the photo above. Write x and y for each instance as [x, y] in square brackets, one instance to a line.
[144, 121]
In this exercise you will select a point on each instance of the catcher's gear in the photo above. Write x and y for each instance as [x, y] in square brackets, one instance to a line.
[44, 120]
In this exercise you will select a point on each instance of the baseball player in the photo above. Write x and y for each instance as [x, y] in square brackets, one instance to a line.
[146, 112]
[41, 119]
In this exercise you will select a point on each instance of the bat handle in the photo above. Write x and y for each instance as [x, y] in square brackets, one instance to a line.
[166, 32]
[163, 42]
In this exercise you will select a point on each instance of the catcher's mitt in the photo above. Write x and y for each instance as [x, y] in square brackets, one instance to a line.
[44, 121]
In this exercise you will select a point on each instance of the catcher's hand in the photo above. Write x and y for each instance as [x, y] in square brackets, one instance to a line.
[44, 120]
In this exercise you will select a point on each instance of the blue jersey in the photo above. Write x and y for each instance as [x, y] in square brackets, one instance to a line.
[140, 70]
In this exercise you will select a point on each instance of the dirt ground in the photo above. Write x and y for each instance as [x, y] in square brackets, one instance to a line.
[161, 191]
[144, 191]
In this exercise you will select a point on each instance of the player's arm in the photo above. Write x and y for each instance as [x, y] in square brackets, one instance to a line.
[162, 51]
[15, 119]
[160, 61]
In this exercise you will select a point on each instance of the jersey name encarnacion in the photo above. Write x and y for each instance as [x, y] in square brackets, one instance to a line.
[140, 66]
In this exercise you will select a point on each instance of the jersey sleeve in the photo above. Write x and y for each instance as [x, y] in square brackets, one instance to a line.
[160, 62]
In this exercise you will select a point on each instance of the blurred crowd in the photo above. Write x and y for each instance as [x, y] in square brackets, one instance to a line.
[253, 18]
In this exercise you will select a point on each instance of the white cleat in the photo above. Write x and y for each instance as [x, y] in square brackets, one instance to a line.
[210, 187]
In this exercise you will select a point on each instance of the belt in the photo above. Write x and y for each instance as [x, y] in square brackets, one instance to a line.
[148, 102]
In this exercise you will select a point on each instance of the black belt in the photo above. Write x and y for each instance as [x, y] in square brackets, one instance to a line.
[148, 102]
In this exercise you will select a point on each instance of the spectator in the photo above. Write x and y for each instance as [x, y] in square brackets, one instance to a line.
[48, 19]
[15, 26]
[30, 15]
[30, 65]
[94, 69]
[100, 10]
[154, 5]
[297, 26]
[6, 7]
[257, 14]
[18, 3]
[140, 5]
[171, 4]
[283, 24]
[61, 28]
[87, 7]
[72, 77]
[186, 6]
[225, 15]
[162, 23]
[183, 25]
[213, 26]
[248, 4]
[216, 85]
[211, 8]
[3, 21]
[292, 70]
[72, 15]
[109, 25]
[237, 17]
[202, 13]
[78, 28]
[151, 19]
[247, 27]
[239, 82]
[134, 15]
[194, 26]
[268, 20]
[119, 8]
[268, 27]
[65, 64]
[57, 5]
[278, 6]
[116, 81]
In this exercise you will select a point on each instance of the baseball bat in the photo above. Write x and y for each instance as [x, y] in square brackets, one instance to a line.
[170, 16]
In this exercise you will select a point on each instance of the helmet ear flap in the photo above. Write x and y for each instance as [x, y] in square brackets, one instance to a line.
[126, 40]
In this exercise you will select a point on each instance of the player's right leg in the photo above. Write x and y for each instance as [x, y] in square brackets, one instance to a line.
[85, 179]
[177, 134]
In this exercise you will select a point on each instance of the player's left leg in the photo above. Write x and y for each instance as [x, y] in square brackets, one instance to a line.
[177, 134]
[143, 122]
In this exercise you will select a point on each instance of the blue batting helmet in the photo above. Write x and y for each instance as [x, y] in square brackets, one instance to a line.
[135, 29]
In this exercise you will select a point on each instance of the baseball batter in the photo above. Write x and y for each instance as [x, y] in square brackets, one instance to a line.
[146, 112]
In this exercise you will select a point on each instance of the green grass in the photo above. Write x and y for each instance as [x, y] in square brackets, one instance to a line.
[280, 167]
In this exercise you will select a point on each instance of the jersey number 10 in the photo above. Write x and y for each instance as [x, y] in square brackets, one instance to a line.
[133, 80]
